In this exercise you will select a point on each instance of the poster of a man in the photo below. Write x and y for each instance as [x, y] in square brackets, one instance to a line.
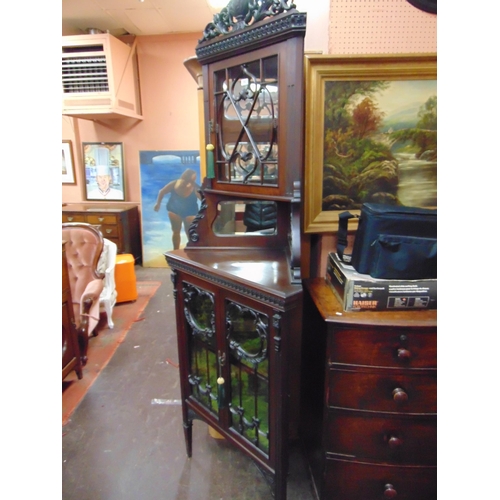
[104, 171]
[104, 191]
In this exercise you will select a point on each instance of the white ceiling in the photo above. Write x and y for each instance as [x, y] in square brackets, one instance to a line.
[148, 17]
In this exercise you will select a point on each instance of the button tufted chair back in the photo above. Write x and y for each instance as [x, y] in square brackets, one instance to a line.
[84, 244]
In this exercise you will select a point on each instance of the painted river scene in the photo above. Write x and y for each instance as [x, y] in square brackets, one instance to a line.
[380, 143]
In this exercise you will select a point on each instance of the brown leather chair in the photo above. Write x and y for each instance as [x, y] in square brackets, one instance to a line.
[84, 244]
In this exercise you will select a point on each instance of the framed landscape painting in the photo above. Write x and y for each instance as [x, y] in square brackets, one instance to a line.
[371, 134]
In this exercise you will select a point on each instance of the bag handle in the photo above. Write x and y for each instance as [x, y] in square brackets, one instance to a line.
[342, 235]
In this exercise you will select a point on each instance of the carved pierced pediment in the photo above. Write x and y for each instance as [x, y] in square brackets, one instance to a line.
[239, 14]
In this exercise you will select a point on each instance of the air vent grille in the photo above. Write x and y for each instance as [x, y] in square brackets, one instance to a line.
[84, 74]
[100, 77]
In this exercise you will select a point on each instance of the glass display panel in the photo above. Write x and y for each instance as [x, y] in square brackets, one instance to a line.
[199, 312]
[247, 334]
[246, 109]
[246, 218]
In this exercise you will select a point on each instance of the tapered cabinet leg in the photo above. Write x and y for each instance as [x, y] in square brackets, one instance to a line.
[188, 437]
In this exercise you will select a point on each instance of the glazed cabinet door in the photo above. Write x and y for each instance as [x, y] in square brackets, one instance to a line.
[250, 99]
[202, 364]
[247, 340]
[225, 361]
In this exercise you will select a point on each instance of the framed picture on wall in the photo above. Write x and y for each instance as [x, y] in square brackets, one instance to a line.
[68, 163]
[164, 224]
[371, 134]
[103, 171]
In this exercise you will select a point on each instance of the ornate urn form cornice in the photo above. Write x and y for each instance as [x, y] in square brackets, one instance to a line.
[239, 14]
[248, 22]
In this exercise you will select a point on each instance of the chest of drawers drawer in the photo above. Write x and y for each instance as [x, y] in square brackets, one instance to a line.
[369, 401]
[382, 390]
[117, 222]
[69, 217]
[385, 347]
[395, 439]
[109, 232]
[102, 219]
[367, 481]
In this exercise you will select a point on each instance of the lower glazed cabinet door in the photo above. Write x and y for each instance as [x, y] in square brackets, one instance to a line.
[228, 363]
[346, 480]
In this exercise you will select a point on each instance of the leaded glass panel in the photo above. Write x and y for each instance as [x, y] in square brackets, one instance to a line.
[199, 311]
[246, 109]
[247, 333]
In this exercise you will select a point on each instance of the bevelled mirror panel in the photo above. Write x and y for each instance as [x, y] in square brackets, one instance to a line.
[246, 218]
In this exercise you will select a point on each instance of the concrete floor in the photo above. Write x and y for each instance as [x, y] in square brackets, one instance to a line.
[120, 444]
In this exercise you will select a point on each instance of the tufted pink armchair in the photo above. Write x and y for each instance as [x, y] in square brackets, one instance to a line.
[84, 244]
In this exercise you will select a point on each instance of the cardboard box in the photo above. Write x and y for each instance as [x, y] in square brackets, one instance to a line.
[360, 292]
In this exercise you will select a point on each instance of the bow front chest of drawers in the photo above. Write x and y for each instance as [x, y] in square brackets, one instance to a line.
[118, 223]
[369, 400]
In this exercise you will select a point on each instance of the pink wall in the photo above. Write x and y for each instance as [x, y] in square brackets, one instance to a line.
[380, 27]
[170, 100]
[169, 107]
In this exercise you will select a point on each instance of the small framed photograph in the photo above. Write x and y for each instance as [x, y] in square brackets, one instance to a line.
[103, 164]
[68, 164]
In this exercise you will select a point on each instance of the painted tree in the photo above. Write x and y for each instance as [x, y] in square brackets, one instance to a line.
[424, 134]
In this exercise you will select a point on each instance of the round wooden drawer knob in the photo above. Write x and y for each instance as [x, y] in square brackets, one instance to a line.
[390, 492]
[404, 354]
[399, 395]
[395, 442]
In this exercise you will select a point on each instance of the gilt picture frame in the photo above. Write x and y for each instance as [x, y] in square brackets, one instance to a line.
[68, 163]
[103, 171]
[365, 116]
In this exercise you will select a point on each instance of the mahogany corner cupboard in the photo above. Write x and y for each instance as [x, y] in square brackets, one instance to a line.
[369, 401]
[237, 283]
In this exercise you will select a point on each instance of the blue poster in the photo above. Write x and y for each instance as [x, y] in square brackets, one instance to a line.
[170, 181]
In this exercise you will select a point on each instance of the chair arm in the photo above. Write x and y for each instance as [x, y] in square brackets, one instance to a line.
[108, 276]
[90, 295]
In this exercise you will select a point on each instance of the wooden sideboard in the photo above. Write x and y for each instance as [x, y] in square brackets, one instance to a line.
[118, 223]
[71, 359]
[369, 400]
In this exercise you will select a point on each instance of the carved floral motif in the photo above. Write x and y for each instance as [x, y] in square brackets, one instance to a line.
[239, 14]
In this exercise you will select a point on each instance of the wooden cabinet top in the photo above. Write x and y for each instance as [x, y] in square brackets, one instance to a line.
[261, 270]
[98, 207]
[331, 310]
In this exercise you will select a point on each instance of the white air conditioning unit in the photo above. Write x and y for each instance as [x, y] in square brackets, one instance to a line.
[100, 78]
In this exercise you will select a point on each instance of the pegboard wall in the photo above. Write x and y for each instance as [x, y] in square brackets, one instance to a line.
[380, 26]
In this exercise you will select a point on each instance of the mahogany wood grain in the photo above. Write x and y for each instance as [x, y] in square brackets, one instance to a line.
[387, 438]
[368, 481]
[386, 391]
[369, 400]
